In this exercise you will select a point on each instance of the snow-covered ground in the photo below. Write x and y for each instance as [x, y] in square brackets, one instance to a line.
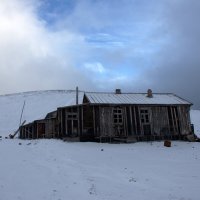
[52, 169]
[56, 170]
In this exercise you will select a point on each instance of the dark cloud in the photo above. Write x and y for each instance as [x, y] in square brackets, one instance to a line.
[177, 64]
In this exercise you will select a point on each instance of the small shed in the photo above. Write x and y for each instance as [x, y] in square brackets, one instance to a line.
[42, 128]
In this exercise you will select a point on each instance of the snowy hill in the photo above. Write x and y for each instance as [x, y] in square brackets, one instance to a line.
[39, 103]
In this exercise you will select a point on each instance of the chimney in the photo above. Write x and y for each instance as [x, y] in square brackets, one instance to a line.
[118, 91]
[149, 93]
[76, 95]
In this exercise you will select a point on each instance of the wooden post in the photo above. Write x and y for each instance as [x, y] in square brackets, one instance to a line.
[176, 120]
[20, 121]
[141, 126]
[125, 122]
[22, 133]
[172, 115]
[65, 121]
[166, 110]
[78, 113]
[28, 132]
[100, 123]
[131, 119]
[135, 121]
[151, 120]
[76, 95]
[61, 123]
[94, 125]
[82, 119]
[37, 129]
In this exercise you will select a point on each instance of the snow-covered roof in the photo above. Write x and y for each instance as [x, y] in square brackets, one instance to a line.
[135, 98]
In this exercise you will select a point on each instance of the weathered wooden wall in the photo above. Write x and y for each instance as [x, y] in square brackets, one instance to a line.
[160, 121]
[39, 129]
[95, 121]
[163, 121]
[184, 118]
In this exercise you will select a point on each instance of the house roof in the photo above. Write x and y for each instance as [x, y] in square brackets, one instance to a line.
[51, 115]
[135, 98]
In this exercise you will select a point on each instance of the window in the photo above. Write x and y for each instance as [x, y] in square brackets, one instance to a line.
[71, 113]
[144, 116]
[72, 116]
[118, 116]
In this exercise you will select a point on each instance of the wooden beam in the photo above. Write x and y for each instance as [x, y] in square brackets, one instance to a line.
[82, 120]
[28, 132]
[166, 110]
[171, 109]
[125, 122]
[94, 124]
[65, 121]
[78, 113]
[135, 121]
[36, 129]
[176, 120]
[131, 119]
[61, 123]
[100, 123]
[141, 126]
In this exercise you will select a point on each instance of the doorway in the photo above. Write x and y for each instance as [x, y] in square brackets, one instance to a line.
[72, 127]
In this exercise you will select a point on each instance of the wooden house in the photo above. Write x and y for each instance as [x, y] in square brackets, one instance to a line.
[123, 117]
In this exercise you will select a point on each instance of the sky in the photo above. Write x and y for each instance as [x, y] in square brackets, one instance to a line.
[101, 45]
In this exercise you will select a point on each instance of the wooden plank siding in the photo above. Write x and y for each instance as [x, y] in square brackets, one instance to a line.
[106, 122]
[160, 122]
[102, 122]
[184, 117]
[89, 122]
[39, 129]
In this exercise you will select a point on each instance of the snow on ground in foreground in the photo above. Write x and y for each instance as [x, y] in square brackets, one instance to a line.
[56, 170]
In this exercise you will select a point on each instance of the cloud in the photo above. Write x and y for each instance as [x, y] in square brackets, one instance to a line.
[100, 45]
[31, 56]
[95, 67]
[177, 64]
